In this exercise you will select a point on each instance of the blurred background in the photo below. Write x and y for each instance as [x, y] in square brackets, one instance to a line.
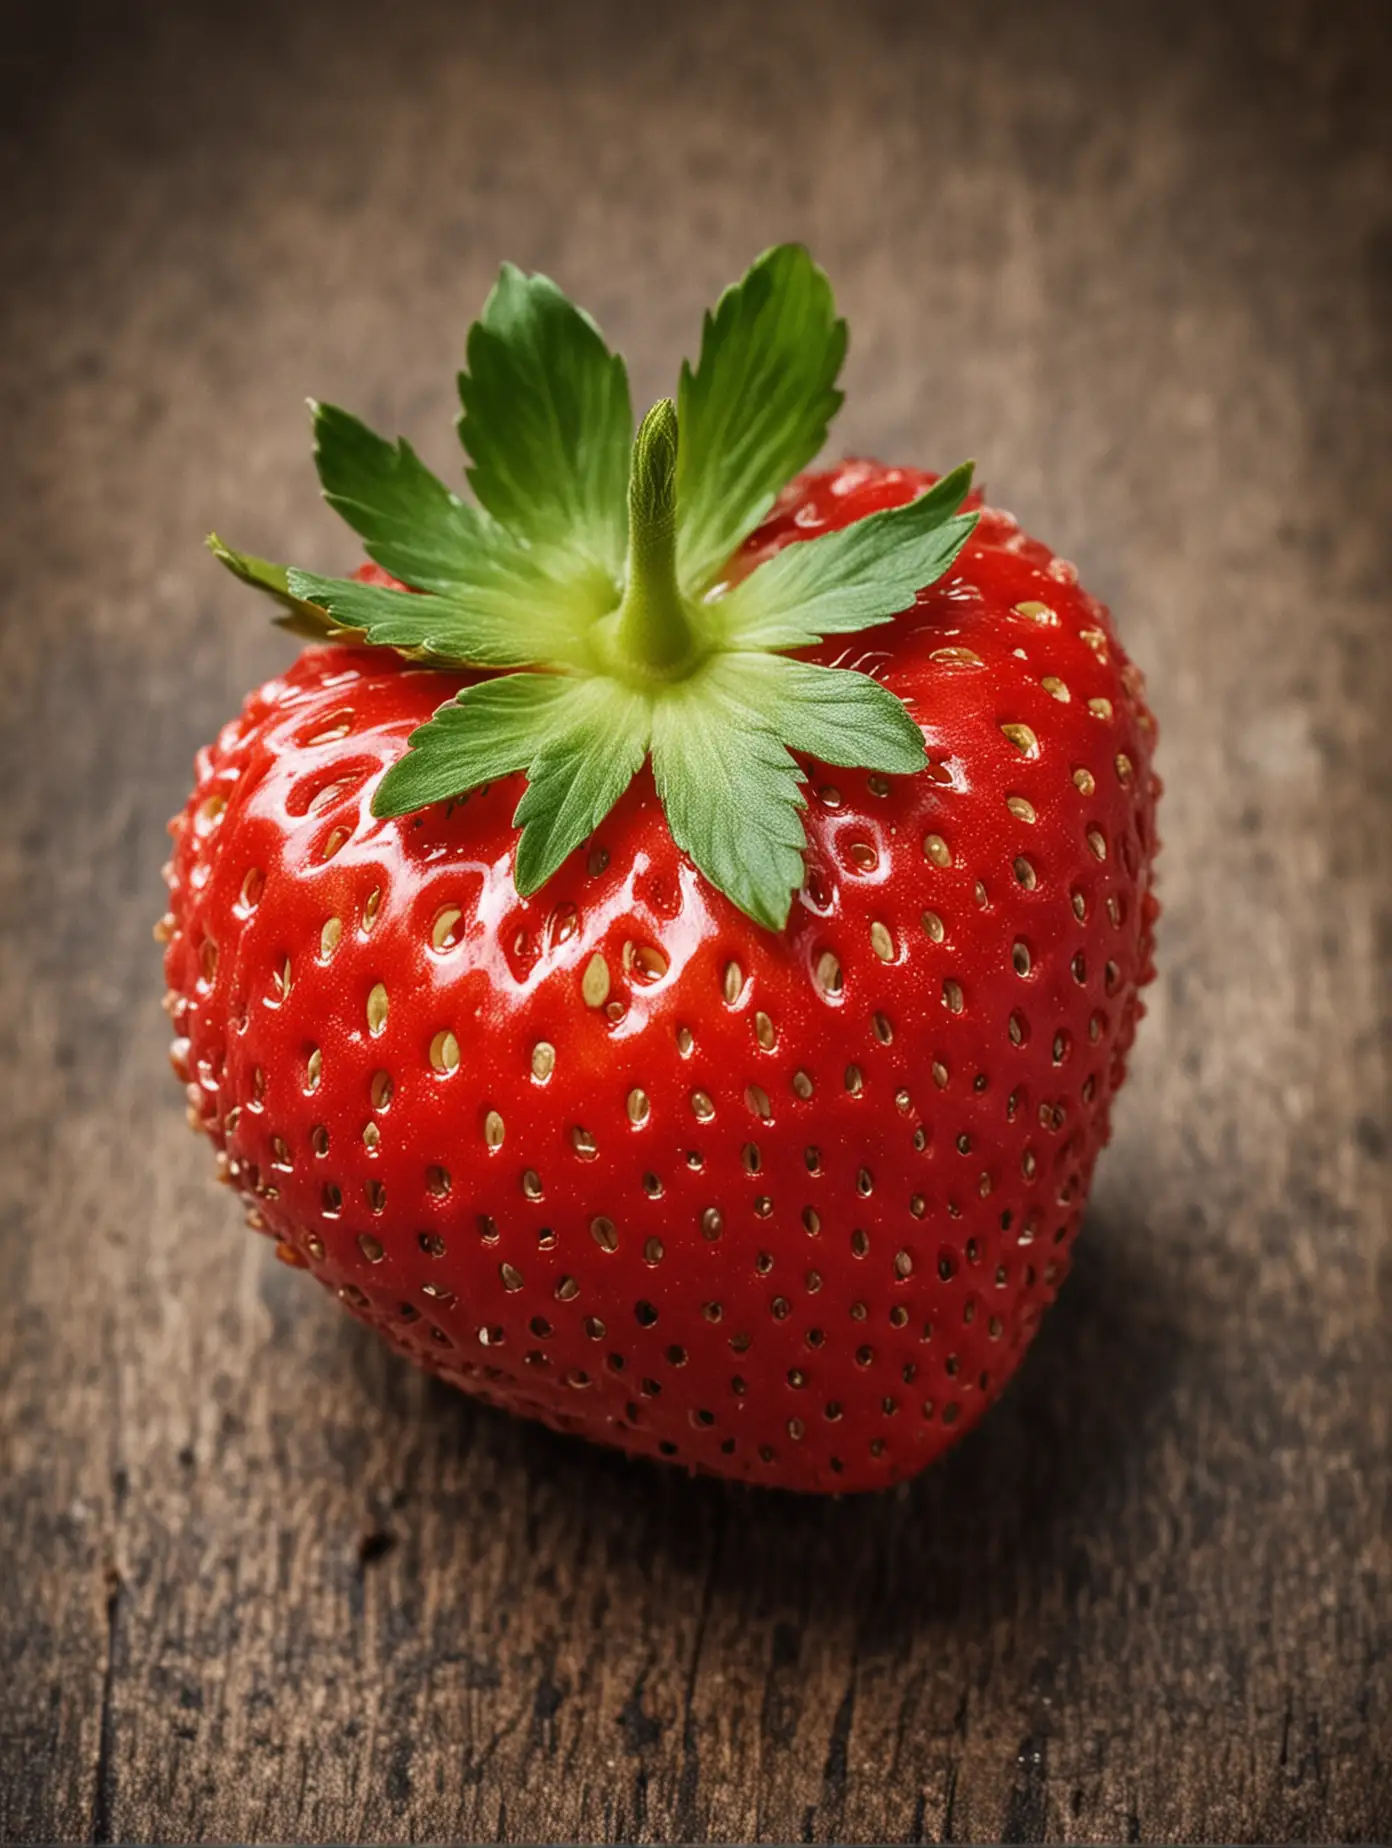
[262, 1582]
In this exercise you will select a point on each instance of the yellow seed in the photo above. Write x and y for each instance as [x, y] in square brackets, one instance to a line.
[374, 900]
[329, 936]
[763, 1031]
[933, 924]
[702, 1106]
[511, 1276]
[336, 729]
[1123, 767]
[444, 1051]
[543, 1060]
[733, 982]
[952, 997]
[829, 978]
[1021, 808]
[493, 1130]
[442, 930]
[594, 984]
[326, 798]
[956, 657]
[1022, 738]
[802, 1084]
[936, 849]
[1084, 781]
[377, 1009]
[1097, 843]
[1052, 684]
[1100, 708]
[939, 1074]
[1037, 612]
[1025, 874]
[649, 962]
[881, 942]
[637, 1105]
[314, 1069]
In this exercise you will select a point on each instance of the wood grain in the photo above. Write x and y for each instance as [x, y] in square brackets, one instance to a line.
[261, 1581]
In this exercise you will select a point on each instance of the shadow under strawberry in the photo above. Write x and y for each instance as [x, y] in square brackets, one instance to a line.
[1032, 1505]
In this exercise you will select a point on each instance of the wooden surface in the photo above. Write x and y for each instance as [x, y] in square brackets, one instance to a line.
[260, 1581]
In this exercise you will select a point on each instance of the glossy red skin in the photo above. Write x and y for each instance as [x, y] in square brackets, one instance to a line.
[945, 1204]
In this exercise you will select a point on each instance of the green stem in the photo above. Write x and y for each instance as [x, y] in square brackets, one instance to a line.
[655, 634]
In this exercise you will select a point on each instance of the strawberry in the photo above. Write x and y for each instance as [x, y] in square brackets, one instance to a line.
[654, 1011]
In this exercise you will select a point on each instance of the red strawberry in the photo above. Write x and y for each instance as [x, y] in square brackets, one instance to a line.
[776, 1199]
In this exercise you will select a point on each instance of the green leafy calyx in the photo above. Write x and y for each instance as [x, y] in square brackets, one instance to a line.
[588, 583]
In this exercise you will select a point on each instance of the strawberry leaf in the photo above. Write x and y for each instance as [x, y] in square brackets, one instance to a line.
[297, 616]
[409, 521]
[580, 742]
[485, 732]
[597, 742]
[547, 421]
[756, 408]
[731, 792]
[852, 578]
[833, 713]
[517, 617]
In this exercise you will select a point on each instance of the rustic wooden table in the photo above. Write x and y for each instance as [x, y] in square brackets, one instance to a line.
[262, 1581]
